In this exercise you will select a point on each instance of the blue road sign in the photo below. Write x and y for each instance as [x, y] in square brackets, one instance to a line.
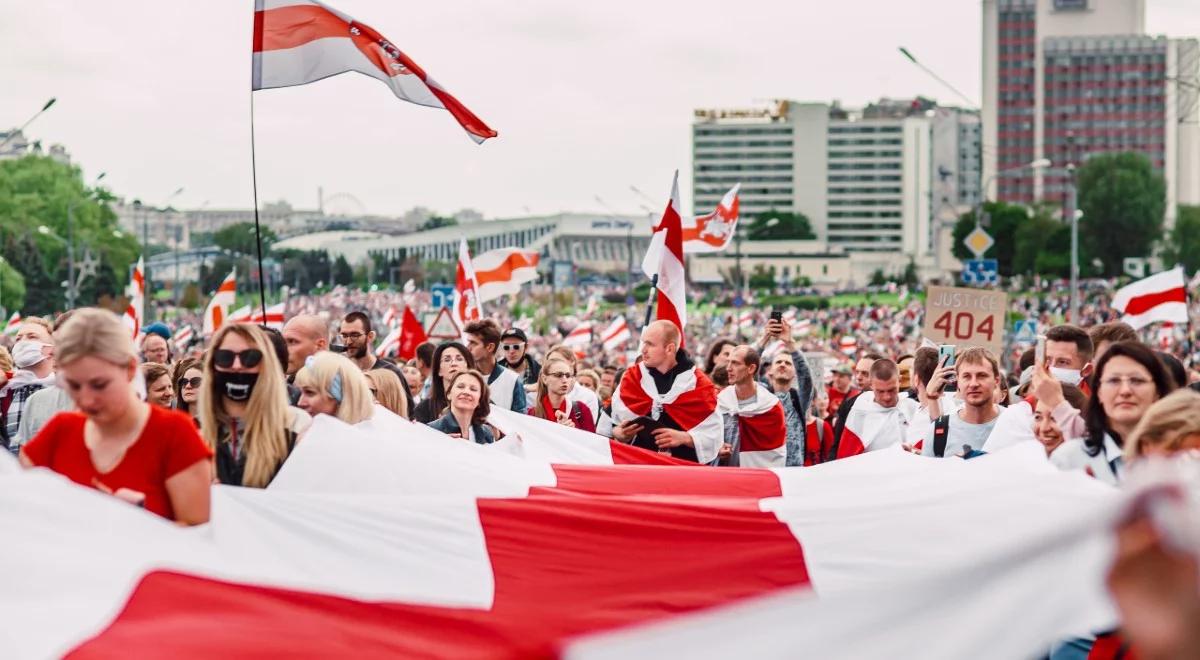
[443, 295]
[1026, 332]
[980, 272]
[737, 301]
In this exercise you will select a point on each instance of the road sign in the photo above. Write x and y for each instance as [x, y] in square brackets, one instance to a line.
[965, 317]
[443, 295]
[1026, 332]
[981, 272]
[978, 242]
[443, 326]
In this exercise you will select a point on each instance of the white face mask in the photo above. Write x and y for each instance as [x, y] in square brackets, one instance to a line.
[27, 353]
[1068, 376]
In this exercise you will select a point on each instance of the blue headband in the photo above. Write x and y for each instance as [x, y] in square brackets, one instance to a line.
[335, 387]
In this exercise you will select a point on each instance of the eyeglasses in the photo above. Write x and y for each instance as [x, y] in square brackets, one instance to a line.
[249, 358]
[351, 336]
[451, 358]
[1135, 382]
[192, 382]
[560, 374]
[512, 347]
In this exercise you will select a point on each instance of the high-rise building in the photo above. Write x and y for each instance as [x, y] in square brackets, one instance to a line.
[1064, 79]
[870, 180]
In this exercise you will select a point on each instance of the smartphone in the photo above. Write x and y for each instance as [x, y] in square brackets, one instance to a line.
[1039, 353]
[776, 315]
[946, 351]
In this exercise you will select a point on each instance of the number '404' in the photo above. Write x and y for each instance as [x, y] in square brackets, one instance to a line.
[961, 325]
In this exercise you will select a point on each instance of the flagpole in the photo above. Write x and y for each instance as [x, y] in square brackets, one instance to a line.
[650, 299]
[262, 289]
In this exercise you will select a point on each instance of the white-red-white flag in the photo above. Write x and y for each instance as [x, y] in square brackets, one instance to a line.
[297, 42]
[762, 427]
[182, 337]
[665, 259]
[466, 289]
[1160, 297]
[218, 308]
[391, 317]
[135, 311]
[242, 314]
[580, 336]
[848, 344]
[502, 271]
[616, 334]
[714, 231]
[14, 322]
[389, 344]
[273, 318]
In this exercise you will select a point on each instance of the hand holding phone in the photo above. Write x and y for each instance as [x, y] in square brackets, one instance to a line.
[1039, 352]
[946, 360]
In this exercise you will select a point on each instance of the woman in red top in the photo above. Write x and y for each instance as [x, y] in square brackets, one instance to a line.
[116, 443]
[554, 384]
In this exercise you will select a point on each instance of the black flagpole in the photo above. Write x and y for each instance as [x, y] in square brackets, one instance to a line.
[262, 289]
[650, 299]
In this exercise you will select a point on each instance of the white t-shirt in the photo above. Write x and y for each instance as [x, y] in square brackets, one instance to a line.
[959, 435]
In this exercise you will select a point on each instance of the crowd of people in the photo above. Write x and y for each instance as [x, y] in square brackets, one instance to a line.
[156, 426]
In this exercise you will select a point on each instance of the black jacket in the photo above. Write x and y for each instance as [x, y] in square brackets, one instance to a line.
[447, 424]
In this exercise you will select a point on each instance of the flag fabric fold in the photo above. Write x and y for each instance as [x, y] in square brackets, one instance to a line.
[714, 232]
[871, 427]
[502, 271]
[466, 289]
[14, 322]
[1160, 297]
[135, 311]
[580, 336]
[761, 425]
[297, 42]
[218, 307]
[616, 334]
[665, 259]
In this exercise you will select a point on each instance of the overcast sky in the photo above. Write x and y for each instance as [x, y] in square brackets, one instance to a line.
[588, 98]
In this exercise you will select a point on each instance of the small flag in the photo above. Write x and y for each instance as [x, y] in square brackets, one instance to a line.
[136, 310]
[14, 322]
[412, 335]
[580, 336]
[218, 307]
[616, 334]
[713, 232]
[1160, 297]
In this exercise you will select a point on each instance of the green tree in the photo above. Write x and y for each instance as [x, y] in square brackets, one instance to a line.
[776, 226]
[1042, 245]
[1123, 200]
[1001, 221]
[36, 192]
[762, 277]
[342, 272]
[1183, 243]
[240, 238]
[436, 221]
[878, 278]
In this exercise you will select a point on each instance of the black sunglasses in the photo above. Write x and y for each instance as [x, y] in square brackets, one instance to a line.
[249, 358]
[192, 382]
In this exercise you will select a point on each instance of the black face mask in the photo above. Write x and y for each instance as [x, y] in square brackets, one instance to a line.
[235, 386]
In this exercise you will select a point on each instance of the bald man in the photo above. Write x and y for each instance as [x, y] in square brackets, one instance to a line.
[305, 334]
[678, 399]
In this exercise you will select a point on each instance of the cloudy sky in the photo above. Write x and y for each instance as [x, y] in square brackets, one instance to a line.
[589, 98]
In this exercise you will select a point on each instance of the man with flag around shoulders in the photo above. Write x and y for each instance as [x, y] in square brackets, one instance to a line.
[874, 421]
[678, 399]
[755, 425]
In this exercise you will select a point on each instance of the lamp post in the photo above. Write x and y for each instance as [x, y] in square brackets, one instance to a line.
[28, 122]
[46, 231]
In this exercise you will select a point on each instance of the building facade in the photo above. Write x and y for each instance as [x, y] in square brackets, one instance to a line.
[1065, 79]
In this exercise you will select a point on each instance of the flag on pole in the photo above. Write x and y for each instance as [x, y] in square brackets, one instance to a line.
[580, 336]
[713, 232]
[136, 309]
[297, 42]
[466, 289]
[218, 307]
[183, 336]
[412, 335]
[240, 315]
[616, 334]
[389, 344]
[502, 271]
[14, 322]
[1160, 297]
[665, 259]
[272, 319]
[391, 317]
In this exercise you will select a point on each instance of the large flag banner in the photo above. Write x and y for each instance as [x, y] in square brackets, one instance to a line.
[466, 289]
[297, 42]
[713, 232]
[501, 272]
[218, 308]
[136, 310]
[1160, 297]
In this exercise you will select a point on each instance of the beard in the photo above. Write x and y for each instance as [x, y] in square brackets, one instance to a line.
[359, 352]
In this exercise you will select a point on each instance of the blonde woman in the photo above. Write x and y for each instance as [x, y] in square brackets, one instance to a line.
[578, 392]
[387, 390]
[554, 387]
[330, 384]
[243, 408]
[116, 443]
[1170, 426]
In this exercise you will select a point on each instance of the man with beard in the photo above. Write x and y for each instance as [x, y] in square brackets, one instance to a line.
[359, 341]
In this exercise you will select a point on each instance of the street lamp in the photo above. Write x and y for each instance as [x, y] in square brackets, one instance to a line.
[46, 231]
[28, 122]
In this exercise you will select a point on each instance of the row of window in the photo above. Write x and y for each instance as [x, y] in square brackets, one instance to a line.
[864, 191]
[863, 202]
[851, 226]
[781, 143]
[730, 180]
[742, 130]
[862, 178]
[1061, 80]
[864, 214]
[857, 128]
[864, 166]
[846, 142]
[864, 154]
[749, 191]
[1113, 59]
[1091, 124]
[739, 167]
[746, 155]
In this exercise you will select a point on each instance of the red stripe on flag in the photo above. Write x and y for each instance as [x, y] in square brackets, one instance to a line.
[289, 27]
[1146, 302]
[672, 480]
[564, 565]
[504, 271]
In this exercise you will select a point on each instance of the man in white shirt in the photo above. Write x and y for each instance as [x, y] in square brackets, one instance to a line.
[976, 372]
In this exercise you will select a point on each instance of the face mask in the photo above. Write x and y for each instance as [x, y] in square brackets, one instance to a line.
[236, 386]
[27, 353]
[1068, 376]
